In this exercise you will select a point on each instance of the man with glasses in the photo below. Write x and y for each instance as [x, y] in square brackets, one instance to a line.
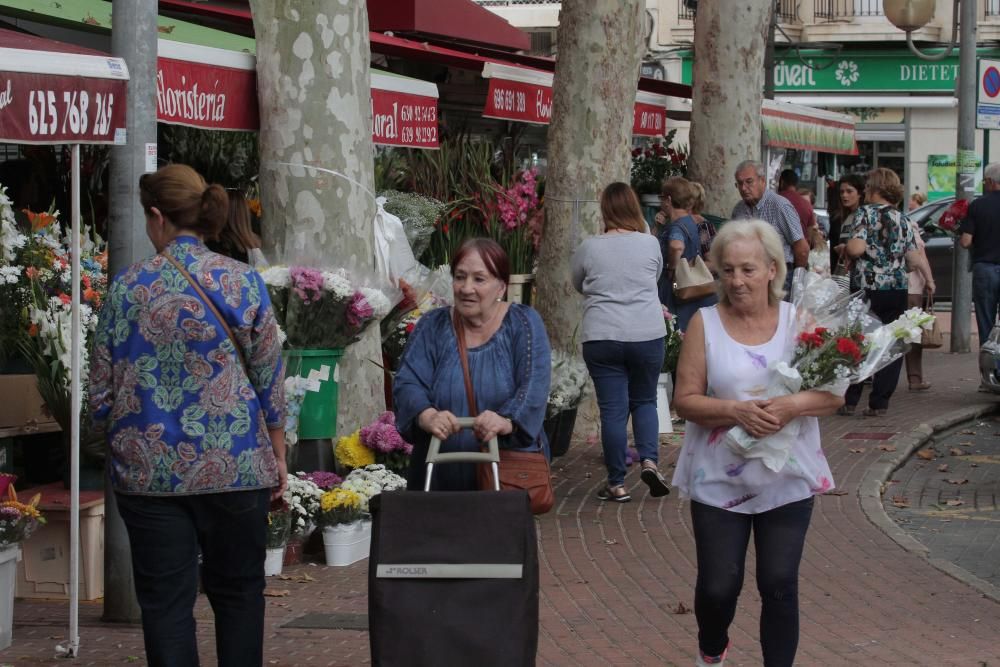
[762, 204]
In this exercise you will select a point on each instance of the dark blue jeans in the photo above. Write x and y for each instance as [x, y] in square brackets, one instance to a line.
[625, 377]
[887, 305]
[166, 534]
[985, 296]
[721, 538]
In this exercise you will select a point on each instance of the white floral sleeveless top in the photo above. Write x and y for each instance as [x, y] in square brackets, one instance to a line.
[707, 470]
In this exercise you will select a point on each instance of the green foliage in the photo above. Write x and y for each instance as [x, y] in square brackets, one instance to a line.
[228, 158]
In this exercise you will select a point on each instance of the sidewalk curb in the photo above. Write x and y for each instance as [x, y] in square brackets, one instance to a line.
[872, 487]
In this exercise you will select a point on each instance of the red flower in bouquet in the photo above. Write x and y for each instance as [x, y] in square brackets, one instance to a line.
[849, 348]
[954, 215]
[812, 338]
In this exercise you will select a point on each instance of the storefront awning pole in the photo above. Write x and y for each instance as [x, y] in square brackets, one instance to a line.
[74, 484]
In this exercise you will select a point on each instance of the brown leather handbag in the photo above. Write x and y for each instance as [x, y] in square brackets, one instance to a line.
[519, 471]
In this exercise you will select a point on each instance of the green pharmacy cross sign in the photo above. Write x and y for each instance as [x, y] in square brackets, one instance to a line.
[858, 71]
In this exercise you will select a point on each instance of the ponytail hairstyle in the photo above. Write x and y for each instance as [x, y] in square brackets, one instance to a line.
[238, 233]
[185, 200]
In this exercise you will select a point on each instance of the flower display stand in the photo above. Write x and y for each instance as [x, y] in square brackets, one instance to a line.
[664, 387]
[347, 543]
[273, 559]
[519, 288]
[8, 574]
[318, 418]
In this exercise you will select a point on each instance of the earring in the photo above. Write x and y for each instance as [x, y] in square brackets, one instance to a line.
[499, 299]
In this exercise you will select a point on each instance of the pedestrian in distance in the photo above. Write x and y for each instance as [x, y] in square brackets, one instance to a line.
[509, 368]
[706, 230]
[237, 239]
[622, 333]
[679, 242]
[722, 373]
[788, 187]
[917, 199]
[187, 387]
[851, 195]
[760, 203]
[883, 246]
[980, 232]
[916, 297]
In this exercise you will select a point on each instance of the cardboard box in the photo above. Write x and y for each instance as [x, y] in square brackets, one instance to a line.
[21, 406]
[44, 568]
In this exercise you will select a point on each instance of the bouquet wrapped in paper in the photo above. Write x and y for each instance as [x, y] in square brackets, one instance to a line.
[322, 309]
[838, 342]
[425, 291]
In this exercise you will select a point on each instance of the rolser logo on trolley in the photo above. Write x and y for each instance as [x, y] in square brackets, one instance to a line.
[403, 571]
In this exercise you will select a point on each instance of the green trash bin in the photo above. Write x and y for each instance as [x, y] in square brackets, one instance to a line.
[318, 418]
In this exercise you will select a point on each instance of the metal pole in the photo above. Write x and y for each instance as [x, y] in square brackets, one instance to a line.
[961, 297]
[768, 78]
[133, 37]
[75, 405]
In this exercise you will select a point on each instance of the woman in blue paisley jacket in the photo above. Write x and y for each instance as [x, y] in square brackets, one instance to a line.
[194, 422]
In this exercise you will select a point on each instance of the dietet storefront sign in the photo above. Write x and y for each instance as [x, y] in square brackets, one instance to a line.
[856, 71]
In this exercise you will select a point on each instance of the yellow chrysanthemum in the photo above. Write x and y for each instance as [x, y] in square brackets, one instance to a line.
[339, 499]
[352, 453]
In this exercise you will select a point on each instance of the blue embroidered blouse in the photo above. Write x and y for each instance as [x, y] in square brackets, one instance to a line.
[510, 376]
[167, 387]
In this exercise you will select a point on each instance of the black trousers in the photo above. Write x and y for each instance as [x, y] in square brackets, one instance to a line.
[887, 305]
[166, 534]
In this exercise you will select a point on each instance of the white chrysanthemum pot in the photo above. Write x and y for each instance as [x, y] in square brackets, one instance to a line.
[663, 388]
[273, 559]
[9, 556]
[347, 543]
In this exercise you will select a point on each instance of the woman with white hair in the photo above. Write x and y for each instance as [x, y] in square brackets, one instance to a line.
[722, 378]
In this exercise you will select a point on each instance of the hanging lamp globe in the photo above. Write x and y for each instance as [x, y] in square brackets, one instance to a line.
[909, 15]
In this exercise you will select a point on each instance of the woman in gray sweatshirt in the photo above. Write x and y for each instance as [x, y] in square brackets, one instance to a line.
[623, 330]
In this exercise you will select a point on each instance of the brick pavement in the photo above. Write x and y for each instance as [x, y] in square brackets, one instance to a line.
[617, 580]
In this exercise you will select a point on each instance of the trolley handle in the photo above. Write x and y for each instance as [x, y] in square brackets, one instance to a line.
[491, 455]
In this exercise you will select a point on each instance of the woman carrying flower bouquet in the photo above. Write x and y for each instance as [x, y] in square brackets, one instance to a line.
[722, 376]
[509, 365]
[622, 334]
[187, 386]
[882, 244]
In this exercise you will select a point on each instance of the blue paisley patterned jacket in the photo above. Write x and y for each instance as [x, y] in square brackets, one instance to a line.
[167, 387]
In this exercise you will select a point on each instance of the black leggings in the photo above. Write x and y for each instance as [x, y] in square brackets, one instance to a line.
[721, 538]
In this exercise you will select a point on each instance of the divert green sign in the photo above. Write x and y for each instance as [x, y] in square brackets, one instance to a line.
[864, 71]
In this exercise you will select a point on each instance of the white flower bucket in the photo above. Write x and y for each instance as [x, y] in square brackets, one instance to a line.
[8, 572]
[273, 560]
[663, 387]
[347, 543]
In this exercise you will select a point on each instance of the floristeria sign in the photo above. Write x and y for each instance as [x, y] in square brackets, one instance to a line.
[53, 97]
[218, 96]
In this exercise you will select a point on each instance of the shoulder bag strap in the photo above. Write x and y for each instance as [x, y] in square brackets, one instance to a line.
[211, 306]
[470, 394]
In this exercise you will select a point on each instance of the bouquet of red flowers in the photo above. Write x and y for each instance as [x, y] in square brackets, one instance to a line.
[839, 343]
[953, 217]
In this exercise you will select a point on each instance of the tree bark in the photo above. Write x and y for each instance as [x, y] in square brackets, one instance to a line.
[728, 79]
[600, 48]
[313, 85]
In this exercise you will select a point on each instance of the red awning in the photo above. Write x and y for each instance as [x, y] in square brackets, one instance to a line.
[57, 93]
[525, 95]
[201, 86]
[459, 20]
[404, 111]
[407, 48]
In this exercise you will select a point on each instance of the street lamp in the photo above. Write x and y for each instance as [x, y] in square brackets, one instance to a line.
[911, 15]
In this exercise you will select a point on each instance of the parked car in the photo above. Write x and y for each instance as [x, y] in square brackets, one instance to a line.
[940, 245]
[989, 362]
